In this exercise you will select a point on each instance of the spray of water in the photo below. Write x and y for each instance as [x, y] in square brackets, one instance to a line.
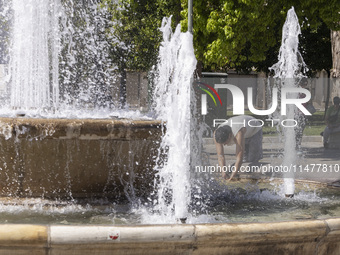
[57, 56]
[288, 71]
[34, 55]
[172, 102]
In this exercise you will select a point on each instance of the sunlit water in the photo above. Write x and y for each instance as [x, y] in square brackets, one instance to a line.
[49, 26]
[288, 71]
[58, 61]
[173, 100]
[245, 203]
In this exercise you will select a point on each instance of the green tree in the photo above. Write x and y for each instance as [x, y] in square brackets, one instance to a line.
[202, 37]
[315, 48]
[86, 72]
[246, 34]
[135, 33]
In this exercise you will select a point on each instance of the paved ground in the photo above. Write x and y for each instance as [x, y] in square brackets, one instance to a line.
[313, 163]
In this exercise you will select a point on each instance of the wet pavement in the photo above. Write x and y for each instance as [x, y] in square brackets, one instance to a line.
[313, 162]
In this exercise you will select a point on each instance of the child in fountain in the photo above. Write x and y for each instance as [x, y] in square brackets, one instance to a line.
[244, 131]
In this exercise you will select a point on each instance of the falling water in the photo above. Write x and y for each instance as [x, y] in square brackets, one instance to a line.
[288, 71]
[34, 54]
[172, 100]
[58, 58]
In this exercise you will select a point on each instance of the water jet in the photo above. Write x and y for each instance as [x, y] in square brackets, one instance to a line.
[63, 180]
[288, 71]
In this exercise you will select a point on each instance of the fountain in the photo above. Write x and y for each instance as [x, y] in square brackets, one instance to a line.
[289, 70]
[63, 126]
[65, 182]
[172, 93]
[34, 55]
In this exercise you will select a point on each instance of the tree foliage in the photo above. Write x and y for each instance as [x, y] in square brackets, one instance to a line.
[86, 70]
[315, 47]
[136, 30]
[246, 34]
[238, 34]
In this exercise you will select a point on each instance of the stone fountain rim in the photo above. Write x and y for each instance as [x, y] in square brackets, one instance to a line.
[202, 237]
[65, 121]
[212, 238]
[55, 128]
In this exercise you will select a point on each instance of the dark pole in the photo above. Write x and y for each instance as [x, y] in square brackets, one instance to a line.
[190, 9]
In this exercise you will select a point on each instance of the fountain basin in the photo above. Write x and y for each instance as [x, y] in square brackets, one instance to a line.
[311, 236]
[298, 237]
[71, 158]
